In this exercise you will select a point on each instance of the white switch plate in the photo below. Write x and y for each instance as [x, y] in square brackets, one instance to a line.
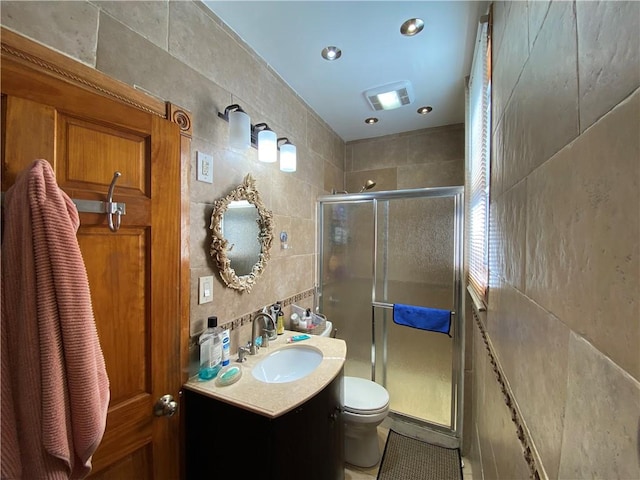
[205, 289]
[205, 167]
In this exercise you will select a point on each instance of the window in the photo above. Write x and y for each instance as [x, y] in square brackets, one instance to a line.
[478, 158]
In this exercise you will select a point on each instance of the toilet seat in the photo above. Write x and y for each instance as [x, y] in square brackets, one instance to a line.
[364, 397]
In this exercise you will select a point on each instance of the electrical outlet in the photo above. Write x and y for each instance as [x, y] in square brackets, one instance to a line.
[205, 167]
[205, 289]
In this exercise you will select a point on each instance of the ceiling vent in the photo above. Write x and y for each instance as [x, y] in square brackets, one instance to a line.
[390, 96]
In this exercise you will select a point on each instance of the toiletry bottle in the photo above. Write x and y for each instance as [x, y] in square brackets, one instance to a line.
[224, 335]
[210, 350]
[280, 323]
[307, 320]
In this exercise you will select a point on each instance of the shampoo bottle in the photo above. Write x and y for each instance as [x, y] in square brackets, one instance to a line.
[210, 351]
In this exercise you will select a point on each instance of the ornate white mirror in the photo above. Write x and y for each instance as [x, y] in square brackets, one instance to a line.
[242, 235]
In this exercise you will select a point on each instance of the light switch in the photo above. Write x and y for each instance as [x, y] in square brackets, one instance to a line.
[205, 167]
[205, 289]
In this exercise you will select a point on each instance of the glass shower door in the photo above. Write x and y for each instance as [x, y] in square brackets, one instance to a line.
[415, 265]
[381, 248]
[346, 272]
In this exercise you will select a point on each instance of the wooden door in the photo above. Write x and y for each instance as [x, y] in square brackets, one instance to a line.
[138, 276]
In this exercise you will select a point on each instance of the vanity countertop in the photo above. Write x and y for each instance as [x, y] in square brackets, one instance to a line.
[275, 399]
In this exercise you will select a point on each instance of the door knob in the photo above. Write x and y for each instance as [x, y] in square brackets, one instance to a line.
[166, 406]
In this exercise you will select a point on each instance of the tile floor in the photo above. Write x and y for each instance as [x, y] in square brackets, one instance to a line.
[355, 473]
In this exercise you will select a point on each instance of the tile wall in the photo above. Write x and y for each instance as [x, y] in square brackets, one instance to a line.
[563, 320]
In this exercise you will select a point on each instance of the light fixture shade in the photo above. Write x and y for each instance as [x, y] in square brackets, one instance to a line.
[288, 157]
[239, 130]
[267, 146]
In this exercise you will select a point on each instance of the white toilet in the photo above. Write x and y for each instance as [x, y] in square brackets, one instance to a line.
[366, 404]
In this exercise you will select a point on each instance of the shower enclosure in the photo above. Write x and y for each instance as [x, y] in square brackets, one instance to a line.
[405, 246]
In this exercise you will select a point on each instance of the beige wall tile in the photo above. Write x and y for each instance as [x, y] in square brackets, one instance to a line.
[200, 235]
[501, 435]
[381, 152]
[583, 226]
[542, 116]
[134, 60]
[319, 137]
[309, 168]
[432, 174]
[510, 60]
[601, 419]
[609, 55]
[333, 177]
[497, 160]
[435, 145]
[537, 11]
[512, 235]
[500, 15]
[197, 41]
[68, 26]
[534, 348]
[385, 178]
[148, 18]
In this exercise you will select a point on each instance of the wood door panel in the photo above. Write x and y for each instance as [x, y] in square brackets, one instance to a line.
[117, 270]
[133, 466]
[129, 428]
[30, 138]
[95, 152]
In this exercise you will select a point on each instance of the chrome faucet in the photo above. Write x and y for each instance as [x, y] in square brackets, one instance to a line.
[253, 348]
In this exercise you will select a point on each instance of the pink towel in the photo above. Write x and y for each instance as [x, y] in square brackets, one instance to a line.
[55, 390]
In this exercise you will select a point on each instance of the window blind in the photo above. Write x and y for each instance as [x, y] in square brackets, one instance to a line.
[478, 160]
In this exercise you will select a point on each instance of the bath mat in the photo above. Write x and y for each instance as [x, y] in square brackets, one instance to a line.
[406, 458]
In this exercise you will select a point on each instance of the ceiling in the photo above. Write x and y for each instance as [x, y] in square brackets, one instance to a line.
[290, 35]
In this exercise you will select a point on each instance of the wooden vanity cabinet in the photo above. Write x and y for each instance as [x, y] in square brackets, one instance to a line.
[225, 441]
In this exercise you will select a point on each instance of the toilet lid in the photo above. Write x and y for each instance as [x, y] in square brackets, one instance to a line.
[364, 396]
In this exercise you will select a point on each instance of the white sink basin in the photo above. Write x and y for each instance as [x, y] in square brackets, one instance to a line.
[288, 364]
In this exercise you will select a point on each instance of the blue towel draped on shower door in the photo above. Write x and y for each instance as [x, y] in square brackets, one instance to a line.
[423, 318]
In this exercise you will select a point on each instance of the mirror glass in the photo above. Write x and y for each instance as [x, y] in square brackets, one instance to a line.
[242, 235]
[240, 228]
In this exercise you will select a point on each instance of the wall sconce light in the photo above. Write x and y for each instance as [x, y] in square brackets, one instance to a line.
[287, 155]
[267, 143]
[242, 135]
[239, 126]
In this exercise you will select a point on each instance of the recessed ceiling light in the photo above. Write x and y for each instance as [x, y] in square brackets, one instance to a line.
[331, 53]
[371, 120]
[412, 27]
[424, 110]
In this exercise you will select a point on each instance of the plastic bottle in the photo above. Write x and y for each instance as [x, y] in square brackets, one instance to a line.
[308, 318]
[280, 323]
[210, 350]
[225, 347]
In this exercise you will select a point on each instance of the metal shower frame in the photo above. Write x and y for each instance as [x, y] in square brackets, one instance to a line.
[454, 432]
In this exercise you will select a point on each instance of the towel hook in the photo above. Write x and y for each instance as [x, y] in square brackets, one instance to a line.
[111, 207]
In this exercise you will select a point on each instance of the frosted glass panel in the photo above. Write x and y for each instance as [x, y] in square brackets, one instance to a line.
[415, 266]
[347, 266]
[386, 251]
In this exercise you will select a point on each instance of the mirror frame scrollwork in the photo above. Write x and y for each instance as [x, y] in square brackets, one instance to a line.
[245, 191]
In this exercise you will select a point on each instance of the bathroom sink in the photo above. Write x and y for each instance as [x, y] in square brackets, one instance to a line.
[288, 364]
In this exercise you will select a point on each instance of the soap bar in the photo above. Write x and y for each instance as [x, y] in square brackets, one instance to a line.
[229, 375]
